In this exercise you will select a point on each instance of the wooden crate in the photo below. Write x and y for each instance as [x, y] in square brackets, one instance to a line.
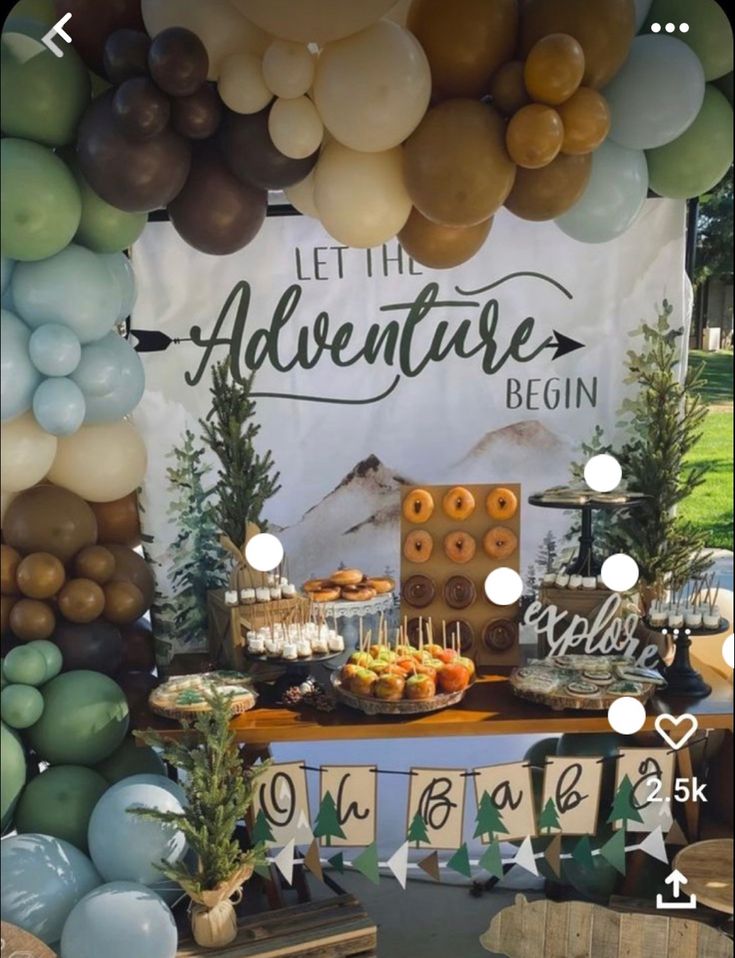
[335, 928]
[228, 625]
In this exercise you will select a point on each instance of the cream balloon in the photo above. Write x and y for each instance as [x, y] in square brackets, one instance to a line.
[288, 68]
[295, 127]
[241, 85]
[100, 463]
[301, 196]
[361, 198]
[26, 453]
[317, 21]
[372, 89]
[222, 29]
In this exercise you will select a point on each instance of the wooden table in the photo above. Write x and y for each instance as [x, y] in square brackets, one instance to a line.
[708, 866]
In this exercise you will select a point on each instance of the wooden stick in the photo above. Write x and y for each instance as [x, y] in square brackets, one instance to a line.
[444, 633]
[421, 632]
[361, 635]
[380, 629]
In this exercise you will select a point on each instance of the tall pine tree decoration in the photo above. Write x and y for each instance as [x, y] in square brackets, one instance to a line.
[327, 825]
[624, 809]
[417, 831]
[246, 479]
[489, 820]
[549, 818]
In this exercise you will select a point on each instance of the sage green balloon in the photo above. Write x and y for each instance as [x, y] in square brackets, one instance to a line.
[25, 666]
[40, 10]
[42, 96]
[20, 705]
[104, 228]
[84, 720]
[130, 759]
[698, 159]
[724, 84]
[52, 656]
[709, 33]
[59, 802]
[40, 206]
[12, 773]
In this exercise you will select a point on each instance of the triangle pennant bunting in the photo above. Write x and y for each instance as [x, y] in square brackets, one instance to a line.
[313, 861]
[552, 854]
[525, 857]
[430, 865]
[582, 853]
[367, 864]
[284, 861]
[613, 851]
[460, 862]
[676, 836]
[338, 863]
[655, 846]
[398, 864]
[491, 861]
[304, 833]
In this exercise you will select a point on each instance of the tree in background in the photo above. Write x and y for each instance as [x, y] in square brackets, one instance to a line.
[417, 831]
[489, 820]
[623, 807]
[715, 234]
[549, 818]
[327, 824]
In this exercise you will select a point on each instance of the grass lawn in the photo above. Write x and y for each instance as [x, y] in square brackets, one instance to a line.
[711, 506]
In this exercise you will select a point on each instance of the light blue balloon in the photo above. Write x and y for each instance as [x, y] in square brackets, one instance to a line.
[121, 270]
[110, 374]
[7, 265]
[18, 376]
[641, 12]
[59, 406]
[43, 879]
[657, 93]
[161, 781]
[55, 349]
[125, 847]
[75, 288]
[613, 198]
[120, 920]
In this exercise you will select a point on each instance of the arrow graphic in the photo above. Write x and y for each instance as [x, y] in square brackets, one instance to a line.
[676, 880]
[562, 344]
[58, 28]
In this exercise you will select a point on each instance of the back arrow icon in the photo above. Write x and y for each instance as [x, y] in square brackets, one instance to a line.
[57, 28]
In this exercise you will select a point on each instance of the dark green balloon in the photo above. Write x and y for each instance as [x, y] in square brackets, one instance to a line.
[59, 802]
[130, 759]
[12, 773]
[42, 11]
[724, 85]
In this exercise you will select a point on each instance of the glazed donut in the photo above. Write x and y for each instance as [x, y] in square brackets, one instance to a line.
[325, 594]
[459, 592]
[382, 584]
[418, 546]
[500, 542]
[458, 503]
[315, 585]
[501, 503]
[418, 591]
[358, 593]
[460, 546]
[464, 631]
[346, 577]
[418, 506]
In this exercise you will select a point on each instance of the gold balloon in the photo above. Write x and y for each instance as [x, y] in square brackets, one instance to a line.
[456, 166]
[603, 28]
[554, 69]
[547, 193]
[49, 519]
[130, 566]
[95, 563]
[586, 119]
[508, 88]
[441, 247]
[81, 600]
[6, 605]
[124, 603]
[40, 575]
[118, 521]
[465, 40]
[534, 136]
[31, 619]
[9, 562]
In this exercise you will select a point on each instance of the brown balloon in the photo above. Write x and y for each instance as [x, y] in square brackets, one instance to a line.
[9, 562]
[136, 176]
[140, 109]
[124, 603]
[31, 619]
[81, 600]
[95, 563]
[534, 136]
[138, 647]
[554, 69]
[40, 575]
[137, 686]
[215, 212]
[118, 521]
[508, 89]
[6, 606]
[441, 247]
[126, 55]
[178, 61]
[197, 116]
[132, 567]
[604, 29]
[49, 519]
[96, 645]
[92, 22]
[547, 193]
[456, 166]
[250, 154]
[465, 41]
[586, 119]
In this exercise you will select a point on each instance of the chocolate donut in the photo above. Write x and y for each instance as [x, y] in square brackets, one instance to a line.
[499, 635]
[460, 546]
[464, 630]
[418, 591]
[418, 546]
[459, 592]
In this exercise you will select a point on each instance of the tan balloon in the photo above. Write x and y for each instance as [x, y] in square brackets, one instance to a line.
[9, 562]
[508, 88]
[241, 85]
[295, 127]
[547, 193]
[81, 600]
[320, 21]
[124, 603]
[586, 119]
[361, 197]
[534, 136]
[456, 166]
[130, 566]
[6, 607]
[554, 69]
[102, 462]
[288, 68]
[5, 499]
[301, 196]
[26, 453]
[95, 563]
[118, 520]
[373, 88]
[441, 247]
[222, 29]
[40, 575]
[31, 619]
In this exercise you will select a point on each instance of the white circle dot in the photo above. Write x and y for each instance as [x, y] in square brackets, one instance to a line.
[728, 653]
[684, 27]
[264, 552]
[670, 27]
[655, 28]
[503, 586]
[603, 473]
[619, 572]
[626, 715]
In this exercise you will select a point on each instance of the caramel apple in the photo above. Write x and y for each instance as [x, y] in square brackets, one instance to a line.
[363, 659]
[390, 687]
[447, 656]
[364, 682]
[420, 687]
[347, 673]
[468, 664]
[453, 678]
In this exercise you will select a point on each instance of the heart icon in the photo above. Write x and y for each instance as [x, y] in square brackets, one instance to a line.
[676, 721]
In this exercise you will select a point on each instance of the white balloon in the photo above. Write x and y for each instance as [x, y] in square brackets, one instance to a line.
[301, 196]
[657, 93]
[241, 84]
[295, 127]
[26, 453]
[317, 21]
[288, 68]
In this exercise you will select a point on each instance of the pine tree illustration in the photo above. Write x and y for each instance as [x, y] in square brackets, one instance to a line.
[262, 832]
[623, 808]
[327, 824]
[417, 831]
[489, 819]
[547, 553]
[549, 818]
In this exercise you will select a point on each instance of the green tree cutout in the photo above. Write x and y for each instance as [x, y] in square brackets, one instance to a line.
[327, 824]
[623, 807]
[262, 831]
[417, 831]
[549, 817]
[489, 819]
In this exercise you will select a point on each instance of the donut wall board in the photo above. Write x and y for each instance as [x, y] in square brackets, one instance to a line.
[452, 537]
